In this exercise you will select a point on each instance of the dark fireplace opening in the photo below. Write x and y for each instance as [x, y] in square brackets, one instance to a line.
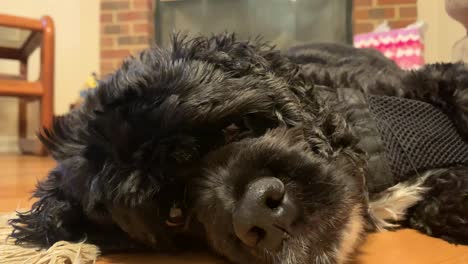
[283, 22]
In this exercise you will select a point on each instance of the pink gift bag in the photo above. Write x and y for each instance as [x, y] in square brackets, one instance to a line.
[404, 46]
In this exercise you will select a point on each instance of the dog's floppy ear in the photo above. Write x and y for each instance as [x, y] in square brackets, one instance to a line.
[142, 135]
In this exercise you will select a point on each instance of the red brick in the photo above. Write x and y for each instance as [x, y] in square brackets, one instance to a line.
[106, 17]
[127, 23]
[138, 49]
[360, 14]
[379, 13]
[407, 12]
[400, 23]
[392, 2]
[132, 40]
[108, 64]
[115, 29]
[107, 42]
[115, 54]
[142, 28]
[143, 4]
[133, 16]
[105, 70]
[363, 28]
[114, 5]
[362, 2]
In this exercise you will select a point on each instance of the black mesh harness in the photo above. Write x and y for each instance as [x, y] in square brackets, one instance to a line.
[416, 135]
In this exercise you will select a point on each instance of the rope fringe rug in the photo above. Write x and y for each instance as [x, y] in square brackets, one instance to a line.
[61, 252]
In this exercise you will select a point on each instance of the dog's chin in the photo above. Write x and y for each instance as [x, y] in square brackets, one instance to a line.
[320, 241]
[328, 218]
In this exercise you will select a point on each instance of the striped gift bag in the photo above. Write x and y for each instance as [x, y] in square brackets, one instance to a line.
[405, 46]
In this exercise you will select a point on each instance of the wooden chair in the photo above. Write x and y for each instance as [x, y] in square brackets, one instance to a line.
[39, 33]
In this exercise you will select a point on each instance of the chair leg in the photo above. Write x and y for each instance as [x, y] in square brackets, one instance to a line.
[33, 145]
[23, 112]
[47, 75]
[22, 123]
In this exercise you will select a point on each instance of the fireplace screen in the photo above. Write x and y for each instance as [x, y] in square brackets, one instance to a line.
[284, 22]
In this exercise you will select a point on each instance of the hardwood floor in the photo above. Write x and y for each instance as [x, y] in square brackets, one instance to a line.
[19, 174]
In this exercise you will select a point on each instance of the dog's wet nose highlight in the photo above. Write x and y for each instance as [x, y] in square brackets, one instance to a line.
[264, 214]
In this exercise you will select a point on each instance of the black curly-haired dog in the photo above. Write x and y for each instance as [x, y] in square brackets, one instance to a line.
[266, 157]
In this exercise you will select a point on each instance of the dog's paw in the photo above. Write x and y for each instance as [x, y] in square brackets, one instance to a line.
[444, 210]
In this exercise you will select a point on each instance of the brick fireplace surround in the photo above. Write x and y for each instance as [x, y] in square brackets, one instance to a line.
[126, 28]
[127, 25]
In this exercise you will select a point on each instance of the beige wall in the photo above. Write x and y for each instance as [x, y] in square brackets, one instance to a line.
[442, 32]
[77, 55]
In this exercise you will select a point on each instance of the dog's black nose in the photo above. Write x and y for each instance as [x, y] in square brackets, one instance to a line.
[264, 214]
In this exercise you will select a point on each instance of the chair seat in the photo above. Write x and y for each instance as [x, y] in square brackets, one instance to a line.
[10, 77]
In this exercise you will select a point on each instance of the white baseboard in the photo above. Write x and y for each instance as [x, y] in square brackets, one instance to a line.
[9, 145]
[13, 145]
[29, 145]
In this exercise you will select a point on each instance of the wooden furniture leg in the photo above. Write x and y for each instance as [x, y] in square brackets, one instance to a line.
[22, 105]
[47, 75]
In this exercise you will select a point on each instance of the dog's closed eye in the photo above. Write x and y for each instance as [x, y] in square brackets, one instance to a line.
[248, 126]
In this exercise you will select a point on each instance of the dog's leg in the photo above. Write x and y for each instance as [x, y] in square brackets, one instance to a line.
[443, 85]
[389, 208]
[444, 210]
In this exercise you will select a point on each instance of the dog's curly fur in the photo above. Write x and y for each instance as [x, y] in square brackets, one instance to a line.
[192, 125]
